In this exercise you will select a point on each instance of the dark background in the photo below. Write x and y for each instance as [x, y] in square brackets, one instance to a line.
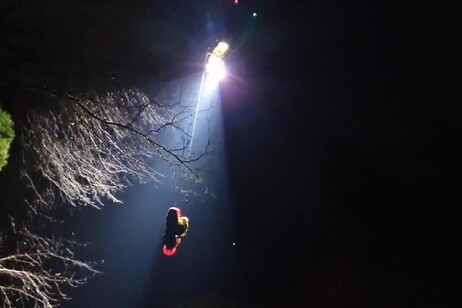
[341, 146]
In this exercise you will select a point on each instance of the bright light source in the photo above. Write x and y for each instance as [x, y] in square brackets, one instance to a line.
[254, 14]
[215, 67]
[236, 1]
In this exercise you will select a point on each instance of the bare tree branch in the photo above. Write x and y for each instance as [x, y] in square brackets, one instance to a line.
[92, 147]
[40, 269]
[83, 153]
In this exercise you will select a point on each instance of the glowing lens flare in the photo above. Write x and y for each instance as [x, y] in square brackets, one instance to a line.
[215, 67]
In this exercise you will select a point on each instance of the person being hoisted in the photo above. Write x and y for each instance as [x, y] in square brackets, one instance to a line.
[176, 228]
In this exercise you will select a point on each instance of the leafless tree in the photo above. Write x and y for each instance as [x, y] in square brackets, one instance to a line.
[92, 147]
[40, 270]
[87, 148]
[82, 154]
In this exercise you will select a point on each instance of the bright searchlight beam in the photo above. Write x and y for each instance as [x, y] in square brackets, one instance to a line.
[214, 71]
[215, 67]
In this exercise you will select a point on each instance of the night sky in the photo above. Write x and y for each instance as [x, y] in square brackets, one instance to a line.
[340, 149]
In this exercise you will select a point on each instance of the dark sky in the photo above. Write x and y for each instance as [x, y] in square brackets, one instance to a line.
[346, 155]
[341, 153]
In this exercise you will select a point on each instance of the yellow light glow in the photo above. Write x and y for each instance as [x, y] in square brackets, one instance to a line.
[221, 49]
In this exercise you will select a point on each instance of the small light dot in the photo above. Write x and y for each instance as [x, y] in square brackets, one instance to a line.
[234, 244]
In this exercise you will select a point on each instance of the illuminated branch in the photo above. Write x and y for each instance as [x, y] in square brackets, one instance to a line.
[92, 147]
[39, 270]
